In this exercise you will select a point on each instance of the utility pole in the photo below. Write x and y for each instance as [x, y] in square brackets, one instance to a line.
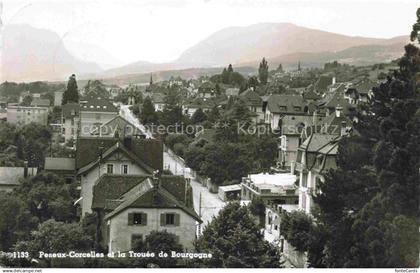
[199, 214]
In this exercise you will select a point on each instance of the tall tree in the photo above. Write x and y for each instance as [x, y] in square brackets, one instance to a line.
[71, 94]
[369, 205]
[263, 71]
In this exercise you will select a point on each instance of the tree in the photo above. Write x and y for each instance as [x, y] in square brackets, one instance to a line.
[27, 100]
[280, 68]
[56, 237]
[148, 114]
[368, 206]
[235, 240]
[156, 242]
[198, 117]
[14, 219]
[48, 196]
[415, 33]
[71, 94]
[263, 71]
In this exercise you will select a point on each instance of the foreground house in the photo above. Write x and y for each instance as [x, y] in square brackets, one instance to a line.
[131, 207]
[119, 186]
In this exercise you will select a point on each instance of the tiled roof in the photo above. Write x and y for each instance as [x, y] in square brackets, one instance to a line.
[286, 104]
[120, 125]
[116, 193]
[150, 151]
[111, 187]
[117, 147]
[364, 86]
[315, 141]
[251, 98]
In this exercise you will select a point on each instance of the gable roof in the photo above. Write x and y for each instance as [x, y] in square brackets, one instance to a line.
[149, 151]
[251, 98]
[115, 193]
[316, 141]
[285, 104]
[116, 147]
[121, 125]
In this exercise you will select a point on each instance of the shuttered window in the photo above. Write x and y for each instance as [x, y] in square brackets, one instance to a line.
[169, 219]
[139, 219]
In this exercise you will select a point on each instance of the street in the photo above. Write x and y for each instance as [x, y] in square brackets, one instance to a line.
[210, 202]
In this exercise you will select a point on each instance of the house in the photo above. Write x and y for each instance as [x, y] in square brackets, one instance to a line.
[230, 192]
[331, 100]
[290, 136]
[232, 92]
[316, 155]
[119, 184]
[274, 234]
[98, 156]
[138, 205]
[206, 90]
[64, 167]
[158, 100]
[23, 115]
[38, 102]
[361, 91]
[279, 106]
[95, 111]
[254, 103]
[278, 187]
[70, 121]
[193, 105]
[10, 177]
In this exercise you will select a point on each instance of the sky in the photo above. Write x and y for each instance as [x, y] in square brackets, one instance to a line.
[112, 32]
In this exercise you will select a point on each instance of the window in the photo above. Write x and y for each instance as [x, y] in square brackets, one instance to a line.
[170, 219]
[124, 169]
[137, 219]
[110, 168]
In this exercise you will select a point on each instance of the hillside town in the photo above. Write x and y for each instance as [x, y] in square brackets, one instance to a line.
[297, 168]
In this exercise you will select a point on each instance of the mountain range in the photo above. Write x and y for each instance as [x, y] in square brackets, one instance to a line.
[29, 53]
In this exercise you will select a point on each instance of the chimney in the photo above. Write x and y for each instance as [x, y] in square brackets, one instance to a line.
[338, 111]
[156, 178]
[333, 80]
[25, 169]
